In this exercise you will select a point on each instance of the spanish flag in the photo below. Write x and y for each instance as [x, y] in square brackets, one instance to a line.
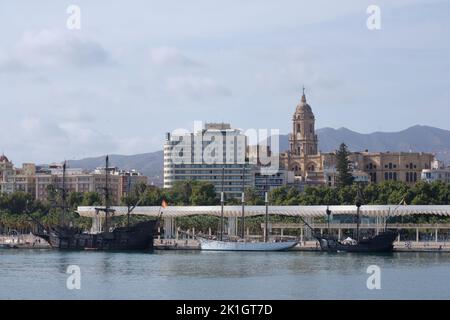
[164, 204]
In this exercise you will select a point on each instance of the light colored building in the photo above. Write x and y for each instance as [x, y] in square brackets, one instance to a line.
[6, 175]
[438, 172]
[25, 178]
[36, 181]
[431, 175]
[16, 179]
[303, 158]
[313, 167]
[268, 182]
[128, 180]
[215, 154]
[79, 180]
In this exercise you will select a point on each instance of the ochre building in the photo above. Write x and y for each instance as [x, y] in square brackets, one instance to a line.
[310, 166]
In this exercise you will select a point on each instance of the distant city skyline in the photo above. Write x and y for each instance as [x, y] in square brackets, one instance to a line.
[135, 71]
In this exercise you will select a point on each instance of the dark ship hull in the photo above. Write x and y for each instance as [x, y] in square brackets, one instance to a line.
[136, 237]
[384, 242]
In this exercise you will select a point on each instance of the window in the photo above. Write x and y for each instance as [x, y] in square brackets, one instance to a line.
[298, 127]
[386, 176]
[395, 176]
[415, 176]
[407, 177]
[390, 165]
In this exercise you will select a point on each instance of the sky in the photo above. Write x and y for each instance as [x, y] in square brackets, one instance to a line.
[137, 69]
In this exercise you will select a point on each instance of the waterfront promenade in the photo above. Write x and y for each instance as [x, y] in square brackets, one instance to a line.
[29, 241]
[23, 241]
[399, 246]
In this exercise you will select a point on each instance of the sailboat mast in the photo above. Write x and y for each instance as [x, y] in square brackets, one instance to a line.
[266, 236]
[222, 200]
[106, 194]
[129, 207]
[63, 195]
[243, 204]
[357, 222]
[358, 207]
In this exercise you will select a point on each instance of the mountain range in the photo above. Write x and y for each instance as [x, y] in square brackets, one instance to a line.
[415, 139]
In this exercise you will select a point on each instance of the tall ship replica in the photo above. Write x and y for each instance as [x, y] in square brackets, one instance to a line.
[382, 242]
[137, 236]
[243, 244]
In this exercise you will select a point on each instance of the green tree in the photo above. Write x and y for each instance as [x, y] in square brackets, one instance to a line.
[75, 199]
[91, 198]
[203, 193]
[344, 175]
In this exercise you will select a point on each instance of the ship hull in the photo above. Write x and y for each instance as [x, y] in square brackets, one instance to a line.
[136, 237]
[213, 245]
[383, 242]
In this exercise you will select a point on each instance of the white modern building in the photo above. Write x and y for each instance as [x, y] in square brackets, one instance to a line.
[215, 154]
[431, 175]
[438, 172]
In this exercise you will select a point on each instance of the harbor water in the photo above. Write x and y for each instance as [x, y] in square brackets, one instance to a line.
[42, 274]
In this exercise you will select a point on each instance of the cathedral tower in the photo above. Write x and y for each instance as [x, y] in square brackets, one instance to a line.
[303, 140]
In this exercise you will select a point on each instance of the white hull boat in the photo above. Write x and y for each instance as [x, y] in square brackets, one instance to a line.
[215, 245]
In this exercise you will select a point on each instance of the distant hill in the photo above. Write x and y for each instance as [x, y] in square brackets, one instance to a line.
[149, 164]
[417, 138]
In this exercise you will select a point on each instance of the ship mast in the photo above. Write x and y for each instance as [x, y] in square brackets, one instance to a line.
[106, 193]
[266, 236]
[358, 207]
[222, 200]
[63, 196]
[243, 204]
[129, 206]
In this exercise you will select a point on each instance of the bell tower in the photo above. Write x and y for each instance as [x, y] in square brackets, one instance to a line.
[303, 140]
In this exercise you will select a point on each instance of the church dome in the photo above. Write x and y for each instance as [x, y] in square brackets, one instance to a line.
[303, 106]
[3, 158]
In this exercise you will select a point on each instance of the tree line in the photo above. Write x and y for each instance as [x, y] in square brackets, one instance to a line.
[18, 209]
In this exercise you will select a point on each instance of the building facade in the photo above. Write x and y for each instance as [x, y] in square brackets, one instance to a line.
[17, 179]
[215, 154]
[6, 175]
[37, 180]
[310, 166]
[438, 172]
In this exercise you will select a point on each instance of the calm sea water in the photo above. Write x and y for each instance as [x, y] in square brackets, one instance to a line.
[41, 274]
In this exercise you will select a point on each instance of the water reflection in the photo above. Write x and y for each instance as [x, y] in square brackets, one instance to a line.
[32, 274]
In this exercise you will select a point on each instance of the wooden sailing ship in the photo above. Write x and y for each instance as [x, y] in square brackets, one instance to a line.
[138, 236]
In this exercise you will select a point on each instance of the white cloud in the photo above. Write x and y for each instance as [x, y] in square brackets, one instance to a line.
[50, 48]
[171, 57]
[52, 139]
[195, 87]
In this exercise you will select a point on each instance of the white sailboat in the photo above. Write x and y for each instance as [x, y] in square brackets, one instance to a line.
[216, 245]
[221, 245]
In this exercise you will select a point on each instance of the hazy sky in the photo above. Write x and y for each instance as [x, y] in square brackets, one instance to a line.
[137, 69]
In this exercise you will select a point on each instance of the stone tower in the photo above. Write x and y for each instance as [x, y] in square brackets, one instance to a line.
[303, 140]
